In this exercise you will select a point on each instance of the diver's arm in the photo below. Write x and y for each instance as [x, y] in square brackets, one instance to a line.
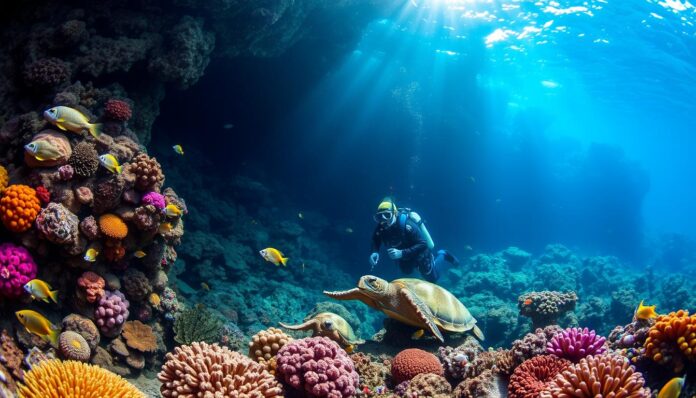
[419, 244]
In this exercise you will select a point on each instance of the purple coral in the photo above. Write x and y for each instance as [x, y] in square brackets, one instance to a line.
[112, 313]
[318, 366]
[155, 199]
[66, 172]
[575, 344]
[16, 269]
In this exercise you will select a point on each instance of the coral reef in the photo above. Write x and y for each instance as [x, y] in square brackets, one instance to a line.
[672, 339]
[428, 385]
[373, 372]
[84, 159]
[117, 110]
[201, 370]
[91, 286]
[112, 313]
[317, 366]
[534, 375]
[544, 308]
[575, 343]
[411, 362]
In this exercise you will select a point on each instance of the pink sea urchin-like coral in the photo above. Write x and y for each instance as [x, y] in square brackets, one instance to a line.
[112, 313]
[318, 366]
[16, 269]
[576, 343]
[155, 199]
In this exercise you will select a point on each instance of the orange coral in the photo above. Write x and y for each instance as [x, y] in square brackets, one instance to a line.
[73, 379]
[4, 178]
[19, 207]
[266, 343]
[139, 336]
[671, 337]
[113, 226]
[412, 361]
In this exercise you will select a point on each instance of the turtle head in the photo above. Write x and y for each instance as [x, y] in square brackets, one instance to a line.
[373, 286]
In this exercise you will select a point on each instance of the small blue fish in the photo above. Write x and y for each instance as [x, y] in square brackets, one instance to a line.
[178, 149]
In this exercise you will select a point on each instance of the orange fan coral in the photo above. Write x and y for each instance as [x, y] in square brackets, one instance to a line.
[113, 226]
[139, 336]
[671, 337]
[600, 376]
[72, 379]
[19, 207]
[4, 178]
[201, 369]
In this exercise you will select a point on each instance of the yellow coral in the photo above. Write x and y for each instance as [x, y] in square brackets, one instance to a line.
[19, 207]
[4, 179]
[73, 379]
[113, 226]
[671, 335]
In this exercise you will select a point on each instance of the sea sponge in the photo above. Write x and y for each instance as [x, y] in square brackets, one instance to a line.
[265, 344]
[544, 308]
[428, 385]
[92, 285]
[17, 267]
[112, 226]
[411, 362]
[46, 73]
[576, 343]
[117, 110]
[4, 179]
[602, 376]
[19, 207]
[318, 366]
[73, 379]
[148, 173]
[111, 313]
[672, 339]
[55, 139]
[139, 336]
[203, 370]
[84, 159]
[196, 324]
[532, 377]
[73, 346]
[136, 285]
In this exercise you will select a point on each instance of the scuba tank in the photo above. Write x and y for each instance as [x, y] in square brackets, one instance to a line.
[408, 214]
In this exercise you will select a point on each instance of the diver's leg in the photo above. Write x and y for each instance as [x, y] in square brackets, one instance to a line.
[444, 255]
[428, 269]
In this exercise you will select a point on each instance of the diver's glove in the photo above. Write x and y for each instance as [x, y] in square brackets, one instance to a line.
[395, 254]
[374, 258]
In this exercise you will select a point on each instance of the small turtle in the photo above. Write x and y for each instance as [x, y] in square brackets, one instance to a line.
[329, 325]
[414, 302]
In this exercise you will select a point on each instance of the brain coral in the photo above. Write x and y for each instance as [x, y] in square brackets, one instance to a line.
[112, 226]
[139, 336]
[148, 173]
[203, 370]
[117, 110]
[603, 376]
[532, 377]
[19, 207]
[266, 343]
[672, 337]
[411, 362]
[4, 179]
[317, 366]
[84, 159]
[73, 379]
[73, 346]
[575, 344]
[16, 269]
[55, 139]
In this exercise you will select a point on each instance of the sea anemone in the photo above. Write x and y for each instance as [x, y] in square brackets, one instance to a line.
[575, 343]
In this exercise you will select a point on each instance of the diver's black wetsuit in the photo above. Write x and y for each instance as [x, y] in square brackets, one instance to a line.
[414, 248]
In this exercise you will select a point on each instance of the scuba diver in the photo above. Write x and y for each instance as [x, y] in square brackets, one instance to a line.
[407, 240]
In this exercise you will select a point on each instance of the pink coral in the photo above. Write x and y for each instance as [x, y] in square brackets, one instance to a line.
[318, 366]
[533, 376]
[117, 110]
[92, 285]
[16, 269]
[112, 313]
[575, 344]
[66, 172]
[155, 199]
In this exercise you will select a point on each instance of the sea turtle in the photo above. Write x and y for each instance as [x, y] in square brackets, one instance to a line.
[414, 302]
[329, 325]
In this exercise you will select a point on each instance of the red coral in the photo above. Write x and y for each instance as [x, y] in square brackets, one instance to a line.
[117, 110]
[534, 375]
[411, 362]
[43, 194]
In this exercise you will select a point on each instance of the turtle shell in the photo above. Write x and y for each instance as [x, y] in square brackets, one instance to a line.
[450, 314]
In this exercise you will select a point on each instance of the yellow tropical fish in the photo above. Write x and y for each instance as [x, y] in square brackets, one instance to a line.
[139, 254]
[205, 286]
[178, 149]
[172, 211]
[673, 388]
[69, 119]
[273, 256]
[41, 290]
[36, 323]
[42, 150]
[645, 311]
[91, 255]
[110, 162]
[165, 227]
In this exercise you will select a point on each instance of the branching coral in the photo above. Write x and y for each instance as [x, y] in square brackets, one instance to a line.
[411, 362]
[603, 376]
[533, 376]
[544, 308]
[575, 343]
[17, 267]
[84, 159]
[265, 344]
[672, 338]
[196, 324]
[73, 346]
[139, 336]
[73, 379]
[148, 173]
[19, 207]
[202, 370]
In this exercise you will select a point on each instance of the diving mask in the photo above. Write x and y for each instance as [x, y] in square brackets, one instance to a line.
[385, 217]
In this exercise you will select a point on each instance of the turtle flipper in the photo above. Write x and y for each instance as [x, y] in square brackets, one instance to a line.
[423, 312]
[353, 294]
[303, 326]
